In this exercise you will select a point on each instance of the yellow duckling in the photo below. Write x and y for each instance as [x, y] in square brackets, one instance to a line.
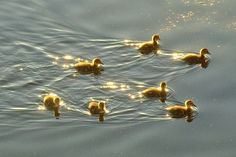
[98, 107]
[177, 111]
[52, 102]
[193, 58]
[89, 67]
[156, 92]
[150, 46]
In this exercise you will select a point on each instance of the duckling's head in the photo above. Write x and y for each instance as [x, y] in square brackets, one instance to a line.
[204, 51]
[189, 104]
[57, 101]
[163, 85]
[156, 37]
[97, 61]
[102, 105]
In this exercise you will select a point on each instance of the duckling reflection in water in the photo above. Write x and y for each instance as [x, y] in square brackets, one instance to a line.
[52, 102]
[205, 64]
[85, 67]
[178, 111]
[159, 92]
[98, 108]
[150, 46]
[193, 58]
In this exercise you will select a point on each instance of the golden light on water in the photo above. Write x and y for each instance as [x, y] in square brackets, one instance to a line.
[127, 41]
[66, 66]
[140, 95]
[19, 108]
[131, 96]
[75, 75]
[130, 43]
[124, 87]
[63, 61]
[41, 108]
[140, 86]
[110, 85]
[114, 85]
[59, 62]
[56, 58]
[55, 63]
[177, 56]
[68, 57]
[159, 52]
[78, 59]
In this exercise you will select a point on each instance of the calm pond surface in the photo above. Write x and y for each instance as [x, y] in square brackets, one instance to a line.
[41, 39]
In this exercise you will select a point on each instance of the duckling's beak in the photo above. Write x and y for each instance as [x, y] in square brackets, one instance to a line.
[101, 63]
[194, 105]
[208, 53]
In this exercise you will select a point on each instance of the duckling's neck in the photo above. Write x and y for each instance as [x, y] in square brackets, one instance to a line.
[163, 95]
[163, 91]
[95, 65]
[189, 110]
[154, 43]
[202, 56]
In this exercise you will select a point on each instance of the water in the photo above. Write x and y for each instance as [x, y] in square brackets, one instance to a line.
[39, 40]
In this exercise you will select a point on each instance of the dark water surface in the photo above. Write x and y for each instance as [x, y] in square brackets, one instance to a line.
[40, 40]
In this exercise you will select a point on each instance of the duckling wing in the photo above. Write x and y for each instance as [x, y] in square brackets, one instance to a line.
[151, 92]
[176, 111]
[146, 48]
[191, 59]
[84, 67]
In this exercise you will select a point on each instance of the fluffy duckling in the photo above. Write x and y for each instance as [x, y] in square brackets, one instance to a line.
[52, 102]
[193, 58]
[177, 111]
[150, 46]
[156, 92]
[89, 67]
[98, 107]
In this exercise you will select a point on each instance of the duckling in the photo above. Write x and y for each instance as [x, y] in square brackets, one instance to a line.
[98, 107]
[150, 46]
[156, 92]
[177, 111]
[52, 102]
[89, 67]
[193, 58]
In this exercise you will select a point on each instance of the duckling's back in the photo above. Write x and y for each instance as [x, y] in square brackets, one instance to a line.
[151, 92]
[146, 48]
[83, 67]
[93, 107]
[177, 111]
[192, 59]
[48, 102]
